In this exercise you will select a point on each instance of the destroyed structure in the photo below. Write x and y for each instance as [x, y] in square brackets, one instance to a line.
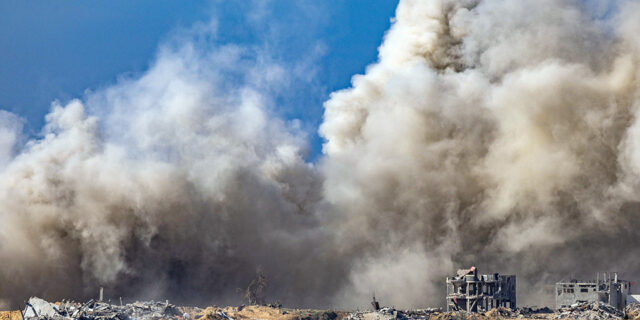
[609, 290]
[39, 309]
[470, 292]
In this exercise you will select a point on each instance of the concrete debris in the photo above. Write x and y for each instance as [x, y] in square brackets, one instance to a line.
[439, 314]
[37, 307]
[224, 315]
[387, 313]
[534, 312]
[632, 311]
[526, 312]
[590, 311]
[40, 309]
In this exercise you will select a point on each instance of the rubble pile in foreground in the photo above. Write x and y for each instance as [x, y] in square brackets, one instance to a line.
[391, 313]
[590, 311]
[40, 309]
[633, 311]
[94, 310]
[438, 314]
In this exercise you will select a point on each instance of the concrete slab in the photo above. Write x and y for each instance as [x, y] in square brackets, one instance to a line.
[37, 307]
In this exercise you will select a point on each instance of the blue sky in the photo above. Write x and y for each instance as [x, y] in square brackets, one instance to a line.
[56, 50]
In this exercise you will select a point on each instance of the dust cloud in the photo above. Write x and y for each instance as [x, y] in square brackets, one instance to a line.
[501, 134]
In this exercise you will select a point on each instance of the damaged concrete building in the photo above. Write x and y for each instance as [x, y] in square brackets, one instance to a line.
[605, 288]
[471, 292]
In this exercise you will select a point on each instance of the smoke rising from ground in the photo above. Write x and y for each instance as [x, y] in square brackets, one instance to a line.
[497, 133]
[179, 184]
[494, 133]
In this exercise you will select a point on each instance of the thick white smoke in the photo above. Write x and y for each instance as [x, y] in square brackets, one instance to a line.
[177, 184]
[497, 133]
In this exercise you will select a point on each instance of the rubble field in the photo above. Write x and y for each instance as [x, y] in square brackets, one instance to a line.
[94, 310]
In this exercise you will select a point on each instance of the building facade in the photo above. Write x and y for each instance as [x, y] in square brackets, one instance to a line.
[607, 288]
[471, 292]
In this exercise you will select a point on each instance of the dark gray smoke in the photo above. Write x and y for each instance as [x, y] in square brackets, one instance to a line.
[497, 133]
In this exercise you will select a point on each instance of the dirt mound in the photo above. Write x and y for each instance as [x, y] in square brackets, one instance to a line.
[265, 313]
[10, 315]
[250, 312]
[500, 312]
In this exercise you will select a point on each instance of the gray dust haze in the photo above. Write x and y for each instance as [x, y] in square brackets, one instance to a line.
[502, 134]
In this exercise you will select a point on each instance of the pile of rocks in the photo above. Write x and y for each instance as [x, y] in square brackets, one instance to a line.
[533, 312]
[632, 311]
[40, 309]
[422, 313]
[590, 311]
[393, 314]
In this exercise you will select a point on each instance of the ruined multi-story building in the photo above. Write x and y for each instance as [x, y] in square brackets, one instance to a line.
[605, 288]
[471, 292]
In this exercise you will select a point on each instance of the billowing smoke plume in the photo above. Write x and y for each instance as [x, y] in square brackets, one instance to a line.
[178, 184]
[496, 133]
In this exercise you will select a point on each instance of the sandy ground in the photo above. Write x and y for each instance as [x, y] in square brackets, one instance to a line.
[10, 315]
[268, 313]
